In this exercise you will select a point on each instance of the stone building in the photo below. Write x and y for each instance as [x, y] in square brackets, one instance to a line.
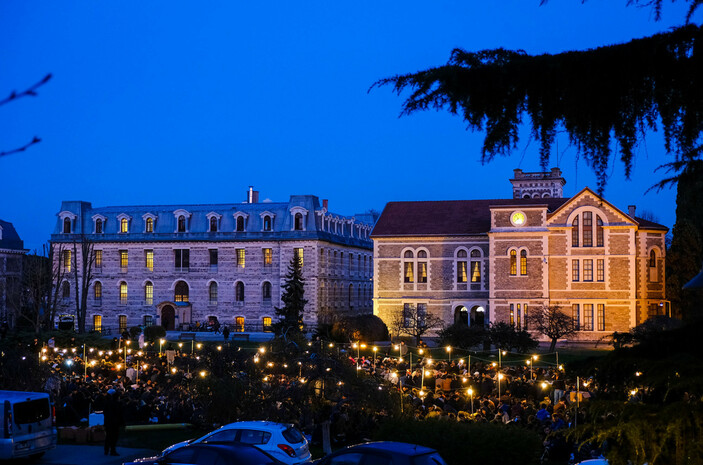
[12, 253]
[186, 264]
[483, 261]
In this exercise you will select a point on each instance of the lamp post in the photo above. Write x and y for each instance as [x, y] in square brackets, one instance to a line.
[85, 365]
[529, 363]
[471, 394]
[449, 351]
[500, 377]
[161, 343]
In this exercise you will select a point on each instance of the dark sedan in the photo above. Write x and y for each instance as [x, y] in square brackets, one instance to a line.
[211, 454]
[384, 453]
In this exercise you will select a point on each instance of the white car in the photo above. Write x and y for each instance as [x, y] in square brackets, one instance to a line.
[282, 441]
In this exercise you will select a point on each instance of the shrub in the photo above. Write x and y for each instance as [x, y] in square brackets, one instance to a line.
[360, 328]
[462, 336]
[152, 333]
[461, 443]
[134, 332]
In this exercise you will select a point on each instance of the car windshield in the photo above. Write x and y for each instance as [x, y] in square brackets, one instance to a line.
[32, 411]
[429, 459]
[292, 435]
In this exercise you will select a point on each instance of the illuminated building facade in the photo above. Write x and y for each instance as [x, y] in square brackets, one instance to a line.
[484, 261]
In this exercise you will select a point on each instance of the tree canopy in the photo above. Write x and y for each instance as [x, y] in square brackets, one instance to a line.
[615, 92]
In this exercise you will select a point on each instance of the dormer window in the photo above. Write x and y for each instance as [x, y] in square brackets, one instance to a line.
[182, 223]
[124, 221]
[68, 221]
[182, 218]
[298, 221]
[67, 225]
[213, 224]
[98, 226]
[267, 223]
[299, 215]
[240, 223]
[150, 225]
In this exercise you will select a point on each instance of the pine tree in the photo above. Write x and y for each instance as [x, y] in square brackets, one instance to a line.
[291, 314]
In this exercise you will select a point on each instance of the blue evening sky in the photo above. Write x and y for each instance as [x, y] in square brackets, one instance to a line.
[180, 102]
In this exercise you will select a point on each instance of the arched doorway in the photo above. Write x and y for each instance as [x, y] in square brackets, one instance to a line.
[168, 317]
[461, 315]
[478, 315]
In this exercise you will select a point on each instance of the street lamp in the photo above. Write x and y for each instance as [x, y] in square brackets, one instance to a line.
[470, 391]
[500, 377]
[449, 351]
[374, 358]
[161, 343]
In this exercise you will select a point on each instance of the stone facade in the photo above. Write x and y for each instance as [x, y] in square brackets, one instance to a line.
[12, 253]
[494, 260]
[178, 265]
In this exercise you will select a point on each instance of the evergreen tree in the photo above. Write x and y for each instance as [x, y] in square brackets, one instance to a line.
[291, 314]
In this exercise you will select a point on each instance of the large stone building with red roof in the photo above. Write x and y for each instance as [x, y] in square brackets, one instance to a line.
[485, 261]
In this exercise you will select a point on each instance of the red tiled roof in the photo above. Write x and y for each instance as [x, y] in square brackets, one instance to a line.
[447, 217]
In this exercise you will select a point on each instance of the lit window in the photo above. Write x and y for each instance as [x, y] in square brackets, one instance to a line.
[124, 260]
[421, 315]
[67, 261]
[123, 293]
[409, 266]
[519, 315]
[513, 263]
[588, 270]
[523, 262]
[266, 322]
[149, 257]
[599, 232]
[266, 291]
[652, 259]
[461, 269]
[267, 223]
[575, 270]
[213, 224]
[600, 317]
[512, 314]
[600, 270]
[524, 317]
[98, 226]
[241, 258]
[298, 254]
[98, 292]
[575, 232]
[181, 223]
[150, 225]
[239, 291]
[149, 293]
[587, 229]
[182, 292]
[182, 259]
[268, 257]
[67, 225]
[148, 320]
[422, 267]
[98, 259]
[475, 267]
[239, 324]
[213, 293]
[97, 323]
[587, 317]
[122, 319]
[124, 225]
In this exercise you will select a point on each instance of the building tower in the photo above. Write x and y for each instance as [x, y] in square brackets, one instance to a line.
[537, 185]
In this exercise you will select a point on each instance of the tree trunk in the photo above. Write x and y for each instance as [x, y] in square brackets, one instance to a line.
[554, 344]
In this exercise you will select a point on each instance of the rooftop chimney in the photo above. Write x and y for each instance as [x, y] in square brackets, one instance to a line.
[252, 195]
[631, 210]
[325, 202]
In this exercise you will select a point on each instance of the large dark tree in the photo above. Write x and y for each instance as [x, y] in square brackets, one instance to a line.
[612, 93]
[293, 298]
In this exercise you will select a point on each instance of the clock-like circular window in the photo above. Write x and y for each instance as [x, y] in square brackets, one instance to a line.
[518, 218]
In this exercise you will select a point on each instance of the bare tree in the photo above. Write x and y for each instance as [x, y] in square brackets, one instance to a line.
[551, 321]
[83, 277]
[415, 321]
[14, 95]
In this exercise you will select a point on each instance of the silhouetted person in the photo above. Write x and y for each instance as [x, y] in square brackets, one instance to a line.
[113, 421]
[225, 333]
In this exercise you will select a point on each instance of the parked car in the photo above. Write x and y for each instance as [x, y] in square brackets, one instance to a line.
[383, 453]
[28, 424]
[280, 440]
[211, 454]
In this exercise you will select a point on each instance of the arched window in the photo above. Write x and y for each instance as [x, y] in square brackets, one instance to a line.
[98, 226]
[513, 262]
[66, 290]
[150, 225]
[240, 223]
[523, 262]
[67, 225]
[298, 221]
[409, 267]
[599, 232]
[587, 229]
[181, 293]
[575, 232]
[213, 224]
[123, 293]
[350, 293]
[98, 292]
[239, 292]
[266, 291]
[475, 266]
[462, 273]
[422, 266]
[124, 225]
[212, 292]
[652, 259]
[149, 293]
[182, 223]
[267, 223]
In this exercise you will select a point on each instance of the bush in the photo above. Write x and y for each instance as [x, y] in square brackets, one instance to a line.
[505, 336]
[152, 333]
[461, 443]
[462, 336]
[360, 328]
[134, 332]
